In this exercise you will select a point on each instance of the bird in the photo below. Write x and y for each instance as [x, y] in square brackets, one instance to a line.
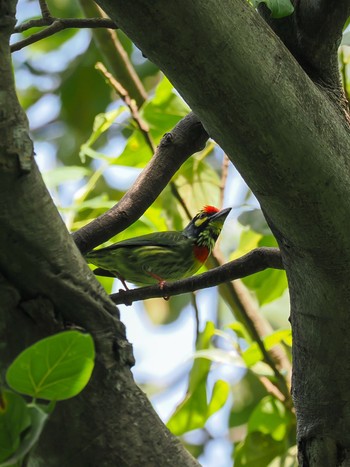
[162, 256]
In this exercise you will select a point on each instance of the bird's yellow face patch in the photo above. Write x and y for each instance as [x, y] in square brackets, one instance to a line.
[198, 222]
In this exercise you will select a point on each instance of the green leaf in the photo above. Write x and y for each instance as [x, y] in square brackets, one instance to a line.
[14, 419]
[220, 356]
[283, 335]
[246, 394]
[257, 450]
[201, 366]
[38, 418]
[268, 285]
[288, 458]
[270, 417]
[195, 410]
[279, 8]
[253, 354]
[56, 177]
[240, 330]
[166, 108]
[221, 391]
[198, 184]
[55, 368]
[101, 124]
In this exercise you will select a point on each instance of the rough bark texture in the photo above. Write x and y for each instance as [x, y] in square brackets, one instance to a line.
[289, 137]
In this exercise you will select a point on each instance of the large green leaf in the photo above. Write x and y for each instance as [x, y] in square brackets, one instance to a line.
[268, 285]
[195, 410]
[55, 368]
[102, 123]
[270, 417]
[246, 395]
[198, 184]
[166, 108]
[257, 450]
[14, 419]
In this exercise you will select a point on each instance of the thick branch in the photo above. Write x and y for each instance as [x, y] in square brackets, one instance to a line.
[186, 138]
[313, 34]
[251, 263]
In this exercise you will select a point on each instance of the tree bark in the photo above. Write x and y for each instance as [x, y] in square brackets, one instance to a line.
[288, 135]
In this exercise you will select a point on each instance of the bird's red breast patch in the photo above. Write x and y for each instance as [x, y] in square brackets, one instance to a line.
[201, 253]
[210, 209]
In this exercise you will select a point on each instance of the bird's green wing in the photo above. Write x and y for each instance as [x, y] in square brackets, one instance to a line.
[162, 239]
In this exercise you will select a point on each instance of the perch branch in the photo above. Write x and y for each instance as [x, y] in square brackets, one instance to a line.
[254, 261]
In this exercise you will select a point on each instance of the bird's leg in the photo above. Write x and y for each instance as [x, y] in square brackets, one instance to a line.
[161, 282]
[122, 280]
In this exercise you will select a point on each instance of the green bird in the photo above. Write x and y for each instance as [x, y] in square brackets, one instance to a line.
[162, 256]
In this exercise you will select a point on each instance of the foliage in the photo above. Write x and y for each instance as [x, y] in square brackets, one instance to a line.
[53, 369]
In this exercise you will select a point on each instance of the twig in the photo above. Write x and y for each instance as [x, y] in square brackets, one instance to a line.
[254, 261]
[196, 313]
[141, 124]
[224, 173]
[176, 194]
[45, 11]
[55, 25]
[114, 55]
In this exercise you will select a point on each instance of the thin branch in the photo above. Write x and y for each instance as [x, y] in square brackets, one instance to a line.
[224, 174]
[45, 11]
[175, 148]
[257, 260]
[55, 25]
[131, 104]
[114, 55]
[196, 313]
[176, 194]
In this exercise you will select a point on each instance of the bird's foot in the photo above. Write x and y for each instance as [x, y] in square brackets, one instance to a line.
[161, 286]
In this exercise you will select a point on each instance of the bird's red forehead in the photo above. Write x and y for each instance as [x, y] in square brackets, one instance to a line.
[210, 209]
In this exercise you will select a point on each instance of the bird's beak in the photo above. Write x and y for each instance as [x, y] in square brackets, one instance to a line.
[221, 215]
